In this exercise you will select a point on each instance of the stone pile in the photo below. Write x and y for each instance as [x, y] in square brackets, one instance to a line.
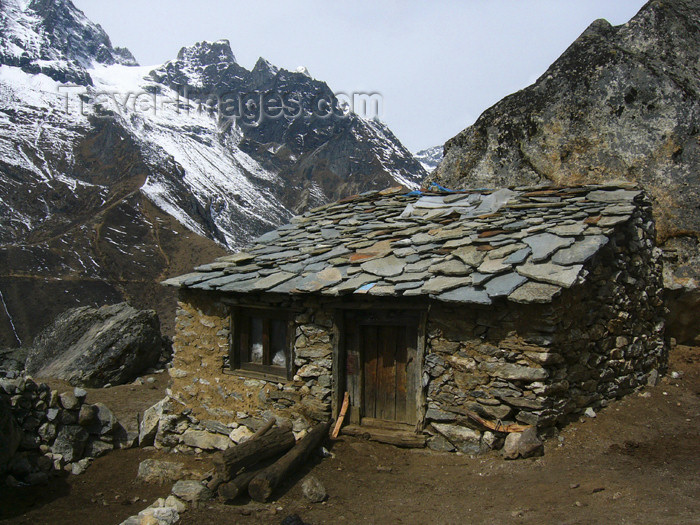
[48, 431]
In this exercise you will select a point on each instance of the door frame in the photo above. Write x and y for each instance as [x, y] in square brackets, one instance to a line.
[346, 319]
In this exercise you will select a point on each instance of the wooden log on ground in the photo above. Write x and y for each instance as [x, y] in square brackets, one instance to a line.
[262, 485]
[239, 485]
[274, 442]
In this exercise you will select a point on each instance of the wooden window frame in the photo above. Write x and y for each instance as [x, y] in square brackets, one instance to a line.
[240, 336]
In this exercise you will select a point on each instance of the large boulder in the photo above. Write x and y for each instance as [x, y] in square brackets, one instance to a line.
[620, 104]
[94, 346]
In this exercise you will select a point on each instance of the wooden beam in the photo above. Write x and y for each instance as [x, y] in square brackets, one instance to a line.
[265, 482]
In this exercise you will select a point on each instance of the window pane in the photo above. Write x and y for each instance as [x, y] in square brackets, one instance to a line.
[256, 340]
[278, 342]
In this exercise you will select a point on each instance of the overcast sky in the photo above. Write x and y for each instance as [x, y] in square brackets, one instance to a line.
[437, 64]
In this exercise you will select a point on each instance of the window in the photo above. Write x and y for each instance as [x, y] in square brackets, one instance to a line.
[261, 342]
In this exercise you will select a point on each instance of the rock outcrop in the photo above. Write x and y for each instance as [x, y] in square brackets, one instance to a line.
[621, 103]
[95, 346]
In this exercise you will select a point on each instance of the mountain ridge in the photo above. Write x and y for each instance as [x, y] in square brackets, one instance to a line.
[120, 181]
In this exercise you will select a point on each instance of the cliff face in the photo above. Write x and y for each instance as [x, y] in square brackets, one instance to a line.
[621, 103]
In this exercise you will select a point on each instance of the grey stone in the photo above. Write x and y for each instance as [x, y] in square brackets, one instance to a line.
[514, 372]
[470, 255]
[451, 267]
[192, 491]
[158, 516]
[96, 448]
[581, 251]
[442, 283]
[466, 294]
[466, 440]
[518, 257]
[313, 489]
[70, 442]
[440, 443]
[149, 423]
[206, 440]
[545, 244]
[216, 427]
[564, 276]
[69, 401]
[87, 415]
[503, 285]
[612, 195]
[478, 279]
[493, 266]
[530, 444]
[92, 347]
[385, 267]
[159, 471]
[532, 292]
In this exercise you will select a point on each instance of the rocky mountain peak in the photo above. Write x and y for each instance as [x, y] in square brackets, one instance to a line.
[55, 38]
[207, 53]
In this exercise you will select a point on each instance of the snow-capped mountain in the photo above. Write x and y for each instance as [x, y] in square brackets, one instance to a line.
[114, 175]
[429, 158]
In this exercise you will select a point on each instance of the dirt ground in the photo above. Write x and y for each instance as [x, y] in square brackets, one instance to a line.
[637, 462]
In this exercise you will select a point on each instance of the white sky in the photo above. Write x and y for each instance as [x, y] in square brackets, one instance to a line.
[437, 64]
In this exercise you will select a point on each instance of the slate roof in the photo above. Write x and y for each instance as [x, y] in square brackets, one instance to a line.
[526, 244]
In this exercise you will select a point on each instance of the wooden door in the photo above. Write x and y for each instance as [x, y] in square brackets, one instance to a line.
[382, 370]
[384, 377]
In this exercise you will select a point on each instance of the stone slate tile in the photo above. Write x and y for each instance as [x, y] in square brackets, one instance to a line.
[505, 284]
[533, 292]
[518, 257]
[564, 276]
[613, 195]
[386, 267]
[569, 229]
[545, 244]
[451, 267]
[470, 255]
[612, 220]
[408, 285]
[441, 283]
[493, 266]
[480, 278]
[465, 294]
[581, 251]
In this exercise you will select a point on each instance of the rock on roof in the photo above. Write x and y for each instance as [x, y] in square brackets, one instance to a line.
[525, 244]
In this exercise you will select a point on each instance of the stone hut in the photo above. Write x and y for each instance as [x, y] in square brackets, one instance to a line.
[432, 310]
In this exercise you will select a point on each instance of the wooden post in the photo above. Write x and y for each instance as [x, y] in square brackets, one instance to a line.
[341, 416]
[262, 485]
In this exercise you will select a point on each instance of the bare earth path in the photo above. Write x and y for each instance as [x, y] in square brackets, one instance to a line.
[637, 462]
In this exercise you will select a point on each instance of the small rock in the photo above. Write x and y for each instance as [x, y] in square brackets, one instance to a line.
[240, 434]
[87, 415]
[193, 491]
[574, 485]
[80, 394]
[69, 401]
[313, 489]
[176, 503]
[206, 440]
[158, 471]
[589, 412]
[525, 444]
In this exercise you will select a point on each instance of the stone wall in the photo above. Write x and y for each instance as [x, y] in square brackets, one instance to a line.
[211, 407]
[544, 364]
[43, 431]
